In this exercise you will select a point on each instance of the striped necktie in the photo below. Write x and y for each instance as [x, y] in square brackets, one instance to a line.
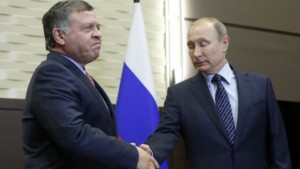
[224, 107]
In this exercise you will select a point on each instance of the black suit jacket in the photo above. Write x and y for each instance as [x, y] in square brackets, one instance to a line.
[190, 112]
[66, 124]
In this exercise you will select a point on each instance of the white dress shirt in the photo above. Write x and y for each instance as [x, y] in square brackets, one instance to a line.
[230, 86]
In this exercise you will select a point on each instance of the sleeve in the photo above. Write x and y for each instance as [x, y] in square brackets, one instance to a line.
[278, 140]
[167, 134]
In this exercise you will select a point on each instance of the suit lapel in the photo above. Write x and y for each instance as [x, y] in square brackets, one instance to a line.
[244, 92]
[108, 105]
[100, 96]
[96, 91]
[200, 90]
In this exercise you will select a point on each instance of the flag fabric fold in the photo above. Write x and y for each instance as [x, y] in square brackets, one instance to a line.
[136, 109]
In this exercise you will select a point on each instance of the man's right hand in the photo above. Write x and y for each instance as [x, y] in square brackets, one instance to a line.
[146, 161]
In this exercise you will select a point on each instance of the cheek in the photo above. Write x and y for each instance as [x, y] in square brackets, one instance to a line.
[78, 40]
[212, 52]
[191, 53]
[208, 53]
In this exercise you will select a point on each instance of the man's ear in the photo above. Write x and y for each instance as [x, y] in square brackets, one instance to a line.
[58, 36]
[225, 43]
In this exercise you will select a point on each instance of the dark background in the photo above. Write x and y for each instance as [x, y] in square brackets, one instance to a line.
[11, 154]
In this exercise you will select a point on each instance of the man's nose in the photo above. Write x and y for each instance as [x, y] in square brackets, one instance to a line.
[97, 33]
[198, 51]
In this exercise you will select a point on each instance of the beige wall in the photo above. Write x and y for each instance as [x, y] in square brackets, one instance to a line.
[265, 38]
[22, 43]
[264, 35]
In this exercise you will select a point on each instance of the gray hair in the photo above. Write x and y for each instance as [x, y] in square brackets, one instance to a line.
[218, 25]
[58, 16]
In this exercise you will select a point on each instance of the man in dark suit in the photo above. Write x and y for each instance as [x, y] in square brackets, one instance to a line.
[252, 136]
[69, 122]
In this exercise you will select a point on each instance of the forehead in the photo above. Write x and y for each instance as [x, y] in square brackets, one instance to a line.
[83, 17]
[202, 30]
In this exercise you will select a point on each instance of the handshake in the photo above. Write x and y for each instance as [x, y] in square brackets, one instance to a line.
[146, 159]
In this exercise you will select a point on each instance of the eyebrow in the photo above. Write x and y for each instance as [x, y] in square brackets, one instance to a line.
[199, 39]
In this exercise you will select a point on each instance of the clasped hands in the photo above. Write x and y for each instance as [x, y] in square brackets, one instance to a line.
[146, 160]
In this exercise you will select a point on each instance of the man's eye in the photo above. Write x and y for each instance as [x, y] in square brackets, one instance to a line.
[191, 46]
[87, 28]
[203, 44]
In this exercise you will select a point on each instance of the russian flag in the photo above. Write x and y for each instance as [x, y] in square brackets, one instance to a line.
[136, 109]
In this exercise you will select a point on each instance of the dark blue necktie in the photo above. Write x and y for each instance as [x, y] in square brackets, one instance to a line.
[223, 107]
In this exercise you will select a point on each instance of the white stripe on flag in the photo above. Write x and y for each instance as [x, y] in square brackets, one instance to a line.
[137, 56]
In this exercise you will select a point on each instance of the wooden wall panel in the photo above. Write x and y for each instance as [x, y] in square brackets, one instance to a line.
[11, 154]
[265, 38]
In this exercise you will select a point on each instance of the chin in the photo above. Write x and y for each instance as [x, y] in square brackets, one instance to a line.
[95, 56]
[201, 68]
[205, 70]
[91, 59]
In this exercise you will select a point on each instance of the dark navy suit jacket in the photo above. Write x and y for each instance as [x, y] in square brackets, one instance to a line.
[190, 113]
[66, 124]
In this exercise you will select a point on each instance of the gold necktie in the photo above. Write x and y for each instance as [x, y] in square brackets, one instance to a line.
[93, 83]
[90, 78]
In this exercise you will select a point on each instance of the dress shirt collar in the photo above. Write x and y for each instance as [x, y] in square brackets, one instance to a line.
[226, 72]
[82, 69]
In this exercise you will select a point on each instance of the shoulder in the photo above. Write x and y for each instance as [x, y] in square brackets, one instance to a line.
[249, 75]
[55, 73]
[56, 64]
[189, 81]
[254, 79]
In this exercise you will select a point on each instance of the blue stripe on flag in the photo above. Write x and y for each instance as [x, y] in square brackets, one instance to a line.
[136, 111]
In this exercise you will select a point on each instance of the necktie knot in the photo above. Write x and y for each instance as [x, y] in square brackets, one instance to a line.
[217, 79]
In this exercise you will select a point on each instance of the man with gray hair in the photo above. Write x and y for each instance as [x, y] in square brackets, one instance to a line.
[68, 120]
